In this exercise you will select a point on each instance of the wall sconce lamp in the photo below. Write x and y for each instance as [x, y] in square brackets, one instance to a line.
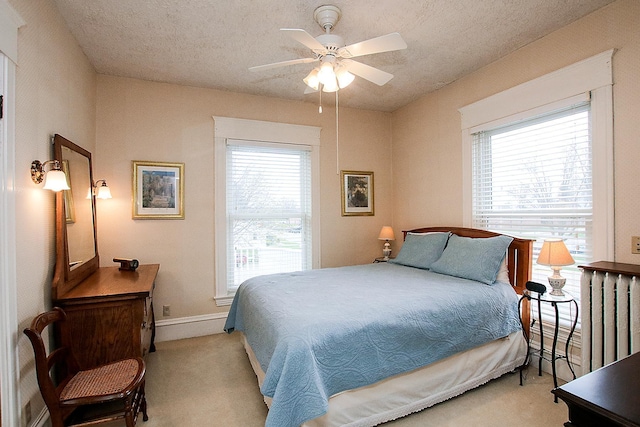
[555, 254]
[54, 180]
[103, 191]
[386, 234]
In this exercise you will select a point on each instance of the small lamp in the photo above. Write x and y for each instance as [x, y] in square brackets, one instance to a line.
[386, 234]
[555, 254]
[54, 180]
[102, 192]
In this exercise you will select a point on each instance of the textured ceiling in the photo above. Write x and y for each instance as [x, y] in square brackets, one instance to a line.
[212, 43]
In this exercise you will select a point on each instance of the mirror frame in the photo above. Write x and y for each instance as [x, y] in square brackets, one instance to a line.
[65, 279]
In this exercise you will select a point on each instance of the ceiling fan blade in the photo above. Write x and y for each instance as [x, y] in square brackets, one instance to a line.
[380, 44]
[301, 36]
[374, 75]
[282, 64]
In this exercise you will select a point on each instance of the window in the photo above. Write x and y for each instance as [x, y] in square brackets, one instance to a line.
[267, 193]
[533, 179]
[538, 163]
[268, 210]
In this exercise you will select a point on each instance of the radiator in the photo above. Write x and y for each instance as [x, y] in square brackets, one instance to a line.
[610, 300]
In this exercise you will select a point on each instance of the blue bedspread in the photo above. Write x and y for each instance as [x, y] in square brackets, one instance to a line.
[319, 332]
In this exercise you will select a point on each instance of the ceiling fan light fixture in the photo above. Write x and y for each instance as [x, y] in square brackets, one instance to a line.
[344, 77]
[312, 79]
[330, 86]
[326, 73]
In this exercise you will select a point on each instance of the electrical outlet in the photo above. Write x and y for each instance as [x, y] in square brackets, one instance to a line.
[635, 244]
[166, 310]
[27, 413]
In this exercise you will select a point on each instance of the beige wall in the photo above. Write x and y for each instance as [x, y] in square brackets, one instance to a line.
[55, 93]
[427, 148]
[140, 120]
[130, 119]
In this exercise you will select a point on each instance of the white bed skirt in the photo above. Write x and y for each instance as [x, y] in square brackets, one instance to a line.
[404, 394]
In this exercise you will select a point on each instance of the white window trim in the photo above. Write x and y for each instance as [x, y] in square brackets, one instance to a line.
[255, 130]
[592, 75]
[10, 21]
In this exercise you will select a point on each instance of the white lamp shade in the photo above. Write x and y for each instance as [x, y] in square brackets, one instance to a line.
[330, 86]
[104, 192]
[344, 77]
[55, 180]
[386, 233]
[326, 74]
[554, 253]
[312, 79]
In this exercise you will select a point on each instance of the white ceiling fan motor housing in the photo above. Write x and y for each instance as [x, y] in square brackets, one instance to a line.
[331, 41]
[327, 16]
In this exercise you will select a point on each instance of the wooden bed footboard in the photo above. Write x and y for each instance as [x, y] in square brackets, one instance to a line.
[519, 260]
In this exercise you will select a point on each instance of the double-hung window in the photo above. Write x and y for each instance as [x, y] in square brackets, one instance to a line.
[538, 163]
[268, 209]
[266, 201]
[533, 179]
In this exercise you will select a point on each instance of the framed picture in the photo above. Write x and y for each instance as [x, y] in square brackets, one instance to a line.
[357, 193]
[158, 190]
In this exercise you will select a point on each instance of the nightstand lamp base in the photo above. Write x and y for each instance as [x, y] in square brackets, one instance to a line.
[386, 234]
[557, 282]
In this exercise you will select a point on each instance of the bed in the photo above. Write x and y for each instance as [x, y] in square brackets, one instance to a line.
[362, 345]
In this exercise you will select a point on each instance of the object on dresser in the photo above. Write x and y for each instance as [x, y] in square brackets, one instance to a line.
[536, 287]
[127, 263]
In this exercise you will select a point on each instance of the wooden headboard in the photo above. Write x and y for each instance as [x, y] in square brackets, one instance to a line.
[519, 259]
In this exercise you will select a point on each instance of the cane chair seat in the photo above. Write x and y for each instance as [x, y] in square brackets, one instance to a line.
[85, 396]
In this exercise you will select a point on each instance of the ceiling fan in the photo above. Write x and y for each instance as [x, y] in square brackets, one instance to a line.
[337, 70]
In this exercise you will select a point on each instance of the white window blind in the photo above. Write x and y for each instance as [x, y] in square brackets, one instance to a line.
[533, 179]
[268, 209]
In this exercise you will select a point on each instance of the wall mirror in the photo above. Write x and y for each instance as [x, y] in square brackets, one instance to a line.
[76, 243]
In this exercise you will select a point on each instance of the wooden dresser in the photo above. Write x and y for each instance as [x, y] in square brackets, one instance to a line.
[607, 397]
[110, 315]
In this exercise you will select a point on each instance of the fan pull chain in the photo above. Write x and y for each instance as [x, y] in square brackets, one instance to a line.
[337, 139]
[320, 106]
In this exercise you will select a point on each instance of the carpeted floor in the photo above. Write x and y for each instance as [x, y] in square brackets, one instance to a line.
[208, 381]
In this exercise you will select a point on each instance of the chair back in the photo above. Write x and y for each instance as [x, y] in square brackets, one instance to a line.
[53, 368]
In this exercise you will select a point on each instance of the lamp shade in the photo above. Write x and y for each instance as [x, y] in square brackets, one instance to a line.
[554, 253]
[104, 192]
[344, 77]
[386, 233]
[55, 180]
[312, 79]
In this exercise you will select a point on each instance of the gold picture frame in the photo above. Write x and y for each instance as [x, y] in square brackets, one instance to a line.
[357, 193]
[158, 190]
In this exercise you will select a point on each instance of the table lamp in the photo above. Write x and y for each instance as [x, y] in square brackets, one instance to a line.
[555, 254]
[386, 234]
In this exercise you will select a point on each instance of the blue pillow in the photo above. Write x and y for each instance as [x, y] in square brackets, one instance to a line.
[474, 259]
[421, 250]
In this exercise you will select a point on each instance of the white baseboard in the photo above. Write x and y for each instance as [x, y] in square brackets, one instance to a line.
[190, 327]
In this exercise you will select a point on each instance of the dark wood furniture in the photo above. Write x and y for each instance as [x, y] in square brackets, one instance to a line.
[613, 267]
[609, 396]
[76, 232]
[110, 315]
[85, 397]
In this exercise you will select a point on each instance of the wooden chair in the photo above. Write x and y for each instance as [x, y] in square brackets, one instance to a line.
[104, 393]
